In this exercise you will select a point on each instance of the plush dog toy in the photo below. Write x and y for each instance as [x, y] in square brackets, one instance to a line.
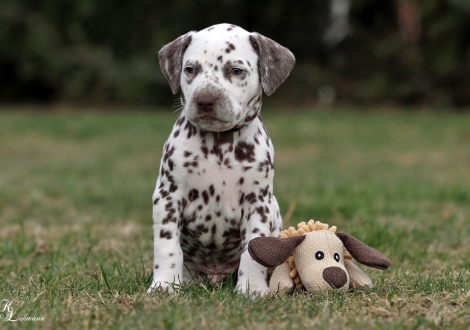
[316, 258]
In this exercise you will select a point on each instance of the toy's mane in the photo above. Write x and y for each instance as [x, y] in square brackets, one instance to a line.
[303, 228]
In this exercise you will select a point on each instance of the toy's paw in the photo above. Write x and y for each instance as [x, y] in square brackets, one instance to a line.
[253, 288]
[358, 279]
[280, 280]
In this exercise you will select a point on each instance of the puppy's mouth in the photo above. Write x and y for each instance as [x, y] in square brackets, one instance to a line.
[212, 123]
[212, 118]
[209, 118]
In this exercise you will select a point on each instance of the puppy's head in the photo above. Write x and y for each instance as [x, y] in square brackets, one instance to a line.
[222, 71]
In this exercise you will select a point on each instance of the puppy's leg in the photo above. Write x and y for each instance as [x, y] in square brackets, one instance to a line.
[168, 255]
[261, 220]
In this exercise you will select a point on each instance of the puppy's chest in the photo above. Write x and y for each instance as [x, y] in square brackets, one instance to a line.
[214, 193]
[215, 181]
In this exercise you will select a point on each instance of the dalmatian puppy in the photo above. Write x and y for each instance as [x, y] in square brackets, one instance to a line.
[214, 192]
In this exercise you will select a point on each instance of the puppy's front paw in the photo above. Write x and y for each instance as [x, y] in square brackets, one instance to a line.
[162, 286]
[253, 287]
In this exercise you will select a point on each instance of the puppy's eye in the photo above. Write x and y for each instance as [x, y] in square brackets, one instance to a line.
[237, 71]
[319, 255]
[189, 70]
[336, 256]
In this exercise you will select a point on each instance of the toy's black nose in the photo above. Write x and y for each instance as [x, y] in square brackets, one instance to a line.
[335, 277]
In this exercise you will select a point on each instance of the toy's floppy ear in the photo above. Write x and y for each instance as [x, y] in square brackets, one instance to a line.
[273, 251]
[363, 253]
[171, 59]
[274, 62]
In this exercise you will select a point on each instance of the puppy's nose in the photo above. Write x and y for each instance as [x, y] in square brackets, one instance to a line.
[335, 277]
[206, 102]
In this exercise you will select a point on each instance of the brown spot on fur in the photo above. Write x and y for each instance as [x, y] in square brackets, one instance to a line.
[173, 187]
[193, 195]
[242, 199]
[180, 121]
[165, 234]
[192, 130]
[168, 153]
[245, 152]
[205, 196]
[262, 212]
[227, 71]
[251, 198]
[211, 190]
[205, 151]
[190, 164]
[264, 191]
[170, 164]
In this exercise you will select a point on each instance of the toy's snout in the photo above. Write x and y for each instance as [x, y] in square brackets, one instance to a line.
[335, 277]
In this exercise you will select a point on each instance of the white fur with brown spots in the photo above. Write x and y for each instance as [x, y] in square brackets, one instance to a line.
[214, 192]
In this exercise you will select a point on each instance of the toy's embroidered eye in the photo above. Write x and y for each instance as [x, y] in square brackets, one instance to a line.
[189, 70]
[237, 71]
[336, 256]
[319, 255]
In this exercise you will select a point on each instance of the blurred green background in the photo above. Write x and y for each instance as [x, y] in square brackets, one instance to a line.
[403, 52]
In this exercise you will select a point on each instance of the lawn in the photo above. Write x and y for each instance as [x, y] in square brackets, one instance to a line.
[75, 220]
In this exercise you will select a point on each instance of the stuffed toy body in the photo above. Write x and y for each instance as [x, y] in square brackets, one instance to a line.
[315, 258]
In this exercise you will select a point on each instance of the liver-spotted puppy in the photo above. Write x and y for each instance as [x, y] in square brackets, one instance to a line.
[214, 192]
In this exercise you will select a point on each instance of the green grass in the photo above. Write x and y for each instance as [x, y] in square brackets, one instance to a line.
[75, 220]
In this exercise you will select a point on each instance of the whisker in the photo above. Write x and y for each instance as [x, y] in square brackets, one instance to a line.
[178, 106]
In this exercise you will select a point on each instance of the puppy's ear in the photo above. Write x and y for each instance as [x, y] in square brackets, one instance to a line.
[273, 251]
[363, 253]
[274, 62]
[171, 59]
